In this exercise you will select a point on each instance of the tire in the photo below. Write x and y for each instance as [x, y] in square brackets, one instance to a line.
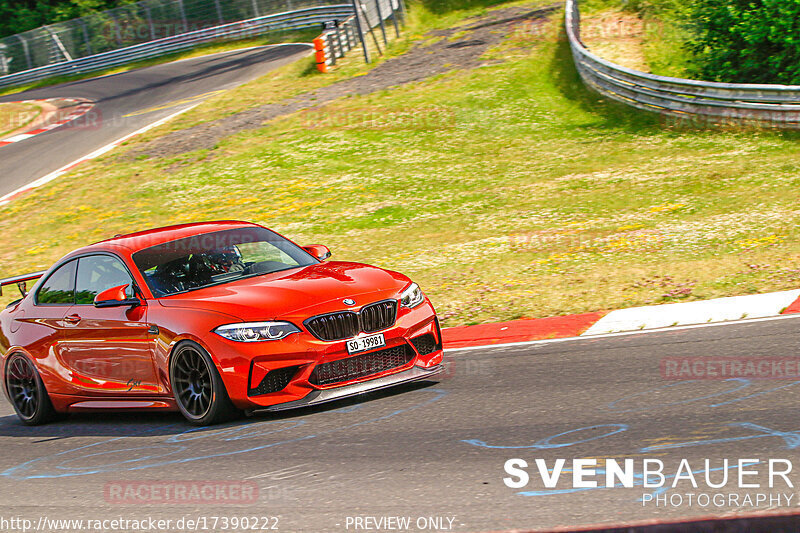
[198, 388]
[27, 393]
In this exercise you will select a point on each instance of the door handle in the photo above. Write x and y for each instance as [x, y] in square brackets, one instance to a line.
[72, 319]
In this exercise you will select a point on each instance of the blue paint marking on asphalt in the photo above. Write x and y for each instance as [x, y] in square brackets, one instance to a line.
[791, 439]
[87, 446]
[70, 466]
[235, 433]
[544, 444]
[742, 398]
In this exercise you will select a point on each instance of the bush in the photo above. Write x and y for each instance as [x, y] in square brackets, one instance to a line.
[17, 16]
[746, 41]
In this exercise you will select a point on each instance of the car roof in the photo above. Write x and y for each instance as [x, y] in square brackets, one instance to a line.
[152, 237]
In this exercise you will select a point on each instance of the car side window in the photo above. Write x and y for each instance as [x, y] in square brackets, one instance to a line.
[97, 273]
[59, 287]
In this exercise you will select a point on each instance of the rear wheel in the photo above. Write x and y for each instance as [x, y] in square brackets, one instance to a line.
[198, 387]
[27, 392]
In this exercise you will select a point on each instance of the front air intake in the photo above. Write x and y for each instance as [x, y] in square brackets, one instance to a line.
[361, 366]
[275, 381]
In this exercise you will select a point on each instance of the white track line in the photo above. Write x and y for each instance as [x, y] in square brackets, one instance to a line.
[625, 333]
[97, 153]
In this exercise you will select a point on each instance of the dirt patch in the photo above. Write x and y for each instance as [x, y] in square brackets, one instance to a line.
[617, 37]
[422, 61]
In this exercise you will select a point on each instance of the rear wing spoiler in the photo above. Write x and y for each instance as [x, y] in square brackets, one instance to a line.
[21, 281]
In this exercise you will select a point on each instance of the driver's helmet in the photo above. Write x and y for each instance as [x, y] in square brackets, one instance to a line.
[225, 257]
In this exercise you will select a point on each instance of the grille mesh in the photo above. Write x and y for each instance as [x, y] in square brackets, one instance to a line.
[376, 317]
[362, 365]
[334, 326]
[275, 381]
[348, 324]
[425, 344]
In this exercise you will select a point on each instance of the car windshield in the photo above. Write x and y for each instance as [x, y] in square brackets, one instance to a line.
[217, 257]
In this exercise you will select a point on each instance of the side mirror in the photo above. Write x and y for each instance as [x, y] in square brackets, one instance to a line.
[319, 251]
[116, 297]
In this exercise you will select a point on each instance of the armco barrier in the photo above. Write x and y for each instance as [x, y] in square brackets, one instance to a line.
[762, 104]
[335, 42]
[301, 18]
[340, 37]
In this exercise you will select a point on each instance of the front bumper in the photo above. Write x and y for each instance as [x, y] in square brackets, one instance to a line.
[244, 369]
[328, 395]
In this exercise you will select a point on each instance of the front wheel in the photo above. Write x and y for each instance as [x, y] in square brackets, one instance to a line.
[198, 387]
[27, 392]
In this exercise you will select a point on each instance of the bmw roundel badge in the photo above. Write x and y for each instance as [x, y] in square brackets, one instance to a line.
[349, 301]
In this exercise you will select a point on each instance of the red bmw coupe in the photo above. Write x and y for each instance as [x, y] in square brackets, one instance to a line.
[212, 319]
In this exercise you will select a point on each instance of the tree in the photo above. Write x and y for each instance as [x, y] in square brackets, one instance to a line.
[17, 16]
[747, 41]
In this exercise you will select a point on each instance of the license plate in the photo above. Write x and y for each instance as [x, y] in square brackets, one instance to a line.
[369, 342]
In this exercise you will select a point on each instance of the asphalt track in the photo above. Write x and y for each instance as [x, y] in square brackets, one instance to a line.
[128, 101]
[438, 449]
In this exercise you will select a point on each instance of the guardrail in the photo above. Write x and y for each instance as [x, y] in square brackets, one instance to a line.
[764, 104]
[335, 42]
[340, 37]
[301, 18]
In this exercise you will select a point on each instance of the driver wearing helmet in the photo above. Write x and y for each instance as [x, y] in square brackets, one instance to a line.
[225, 260]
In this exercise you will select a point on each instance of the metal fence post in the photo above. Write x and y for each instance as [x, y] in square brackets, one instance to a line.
[58, 44]
[370, 28]
[348, 31]
[219, 12]
[380, 20]
[149, 20]
[339, 39]
[356, 6]
[4, 61]
[86, 37]
[394, 18]
[26, 49]
[183, 16]
[328, 36]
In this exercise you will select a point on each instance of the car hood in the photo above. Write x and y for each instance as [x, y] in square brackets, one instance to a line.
[321, 286]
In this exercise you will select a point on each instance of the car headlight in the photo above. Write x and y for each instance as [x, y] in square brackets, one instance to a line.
[412, 296]
[257, 331]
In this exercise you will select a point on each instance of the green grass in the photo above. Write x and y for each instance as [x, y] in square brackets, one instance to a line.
[521, 194]
[665, 41]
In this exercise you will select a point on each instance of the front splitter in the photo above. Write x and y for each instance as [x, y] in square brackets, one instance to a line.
[329, 395]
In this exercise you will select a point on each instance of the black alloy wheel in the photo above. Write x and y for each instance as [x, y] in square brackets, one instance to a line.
[27, 393]
[197, 386]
